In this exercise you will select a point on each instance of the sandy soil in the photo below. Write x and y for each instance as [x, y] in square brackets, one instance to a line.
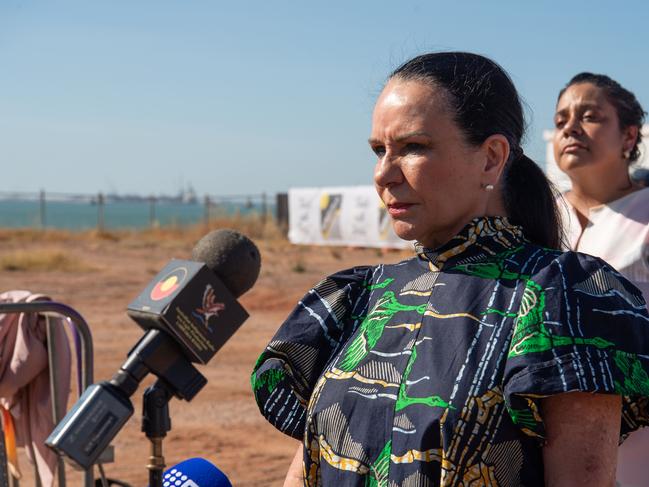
[222, 424]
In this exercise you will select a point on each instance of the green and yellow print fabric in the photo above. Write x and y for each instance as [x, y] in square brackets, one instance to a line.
[429, 372]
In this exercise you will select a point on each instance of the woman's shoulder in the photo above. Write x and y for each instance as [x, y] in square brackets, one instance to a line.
[568, 262]
[356, 273]
[346, 281]
[641, 194]
[580, 261]
[364, 275]
[572, 270]
[635, 206]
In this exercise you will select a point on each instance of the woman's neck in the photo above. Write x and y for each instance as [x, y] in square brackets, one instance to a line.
[594, 190]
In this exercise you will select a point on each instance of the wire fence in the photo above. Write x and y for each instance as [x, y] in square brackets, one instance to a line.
[74, 211]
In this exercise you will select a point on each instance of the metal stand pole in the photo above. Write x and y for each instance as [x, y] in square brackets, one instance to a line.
[100, 212]
[42, 209]
[206, 212]
[152, 222]
[155, 424]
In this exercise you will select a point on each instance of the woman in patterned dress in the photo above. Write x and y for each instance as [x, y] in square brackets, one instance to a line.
[489, 357]
[606, 213]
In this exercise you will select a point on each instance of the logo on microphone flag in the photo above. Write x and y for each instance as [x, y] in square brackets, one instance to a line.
[210, 307]
[168, 284]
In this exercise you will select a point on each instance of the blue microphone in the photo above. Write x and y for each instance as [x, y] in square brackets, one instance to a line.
[195, 472]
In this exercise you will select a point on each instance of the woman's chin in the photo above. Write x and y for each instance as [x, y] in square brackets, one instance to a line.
[404, 230]
[571, 163]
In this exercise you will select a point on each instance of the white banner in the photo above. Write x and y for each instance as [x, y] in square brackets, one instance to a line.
[345, 215]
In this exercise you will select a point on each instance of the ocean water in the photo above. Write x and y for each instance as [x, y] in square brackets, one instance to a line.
[116, 215]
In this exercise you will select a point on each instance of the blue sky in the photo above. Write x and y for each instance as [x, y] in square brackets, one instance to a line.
[139, 96]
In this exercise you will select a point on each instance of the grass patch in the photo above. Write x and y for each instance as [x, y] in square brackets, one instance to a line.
[299, 267]
[254, 226]
[335, 253]
[46, 260]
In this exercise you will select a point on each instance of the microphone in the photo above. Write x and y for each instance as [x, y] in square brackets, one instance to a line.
[195, 472]
[189, 310]
[231, 256]
[186, 301]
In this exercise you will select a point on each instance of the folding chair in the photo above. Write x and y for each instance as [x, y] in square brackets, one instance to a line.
[83, 344]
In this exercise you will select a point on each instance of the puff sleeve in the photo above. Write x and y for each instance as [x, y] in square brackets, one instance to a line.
[287, 371]
[581, 326]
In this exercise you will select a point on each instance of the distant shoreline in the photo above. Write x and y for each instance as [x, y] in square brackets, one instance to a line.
[115, 214]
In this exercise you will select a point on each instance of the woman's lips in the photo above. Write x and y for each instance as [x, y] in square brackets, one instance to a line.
[398, 209]
[573, 148]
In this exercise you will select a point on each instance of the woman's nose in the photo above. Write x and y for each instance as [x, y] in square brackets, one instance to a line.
[387, 172]
[572, 126]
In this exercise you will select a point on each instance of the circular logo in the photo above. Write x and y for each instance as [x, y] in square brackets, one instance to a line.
[167, 285]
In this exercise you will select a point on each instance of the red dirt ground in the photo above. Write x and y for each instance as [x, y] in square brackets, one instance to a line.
[222, 424]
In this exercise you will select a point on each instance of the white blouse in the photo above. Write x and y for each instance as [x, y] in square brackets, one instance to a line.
[617, 232]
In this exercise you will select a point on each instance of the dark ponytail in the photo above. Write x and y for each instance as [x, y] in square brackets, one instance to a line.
[530, 201]
[485, 103]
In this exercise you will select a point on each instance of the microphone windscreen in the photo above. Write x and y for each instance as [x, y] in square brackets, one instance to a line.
[195, 472]
[231, 256]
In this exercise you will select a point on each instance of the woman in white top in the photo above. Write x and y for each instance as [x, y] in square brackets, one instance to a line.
[606, 214]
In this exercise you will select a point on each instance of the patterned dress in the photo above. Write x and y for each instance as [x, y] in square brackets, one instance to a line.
[429, 372]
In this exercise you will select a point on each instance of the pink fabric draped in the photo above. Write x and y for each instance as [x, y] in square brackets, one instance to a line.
[25, 381]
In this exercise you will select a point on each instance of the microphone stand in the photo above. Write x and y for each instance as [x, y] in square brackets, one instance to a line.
[156, 422]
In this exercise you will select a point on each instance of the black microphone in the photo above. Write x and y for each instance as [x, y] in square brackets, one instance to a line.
[186, 301]
[189, 311]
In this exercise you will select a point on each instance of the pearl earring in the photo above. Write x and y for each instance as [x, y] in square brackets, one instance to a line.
[626, 154]
[488, 187]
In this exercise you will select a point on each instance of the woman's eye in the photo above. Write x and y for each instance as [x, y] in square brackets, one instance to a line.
[414, 147]
[559, 122]
[589, 117]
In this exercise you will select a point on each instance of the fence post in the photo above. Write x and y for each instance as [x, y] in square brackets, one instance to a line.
[264, 208]
[100, 212]
[152, 211]
[281, 209]
[206, 213]
[42, 209]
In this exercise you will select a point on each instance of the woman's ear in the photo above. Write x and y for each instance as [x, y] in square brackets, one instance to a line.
[630, 137]
[496, 150]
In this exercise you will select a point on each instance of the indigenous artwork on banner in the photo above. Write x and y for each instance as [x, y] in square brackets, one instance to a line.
[347, 215]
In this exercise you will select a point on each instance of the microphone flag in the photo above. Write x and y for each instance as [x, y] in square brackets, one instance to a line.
[191, 303]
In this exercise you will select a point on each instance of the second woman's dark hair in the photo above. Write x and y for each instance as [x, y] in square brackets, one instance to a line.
[484, 102]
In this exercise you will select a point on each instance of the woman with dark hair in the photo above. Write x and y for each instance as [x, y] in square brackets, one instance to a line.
[606, 213]
[489, 357]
